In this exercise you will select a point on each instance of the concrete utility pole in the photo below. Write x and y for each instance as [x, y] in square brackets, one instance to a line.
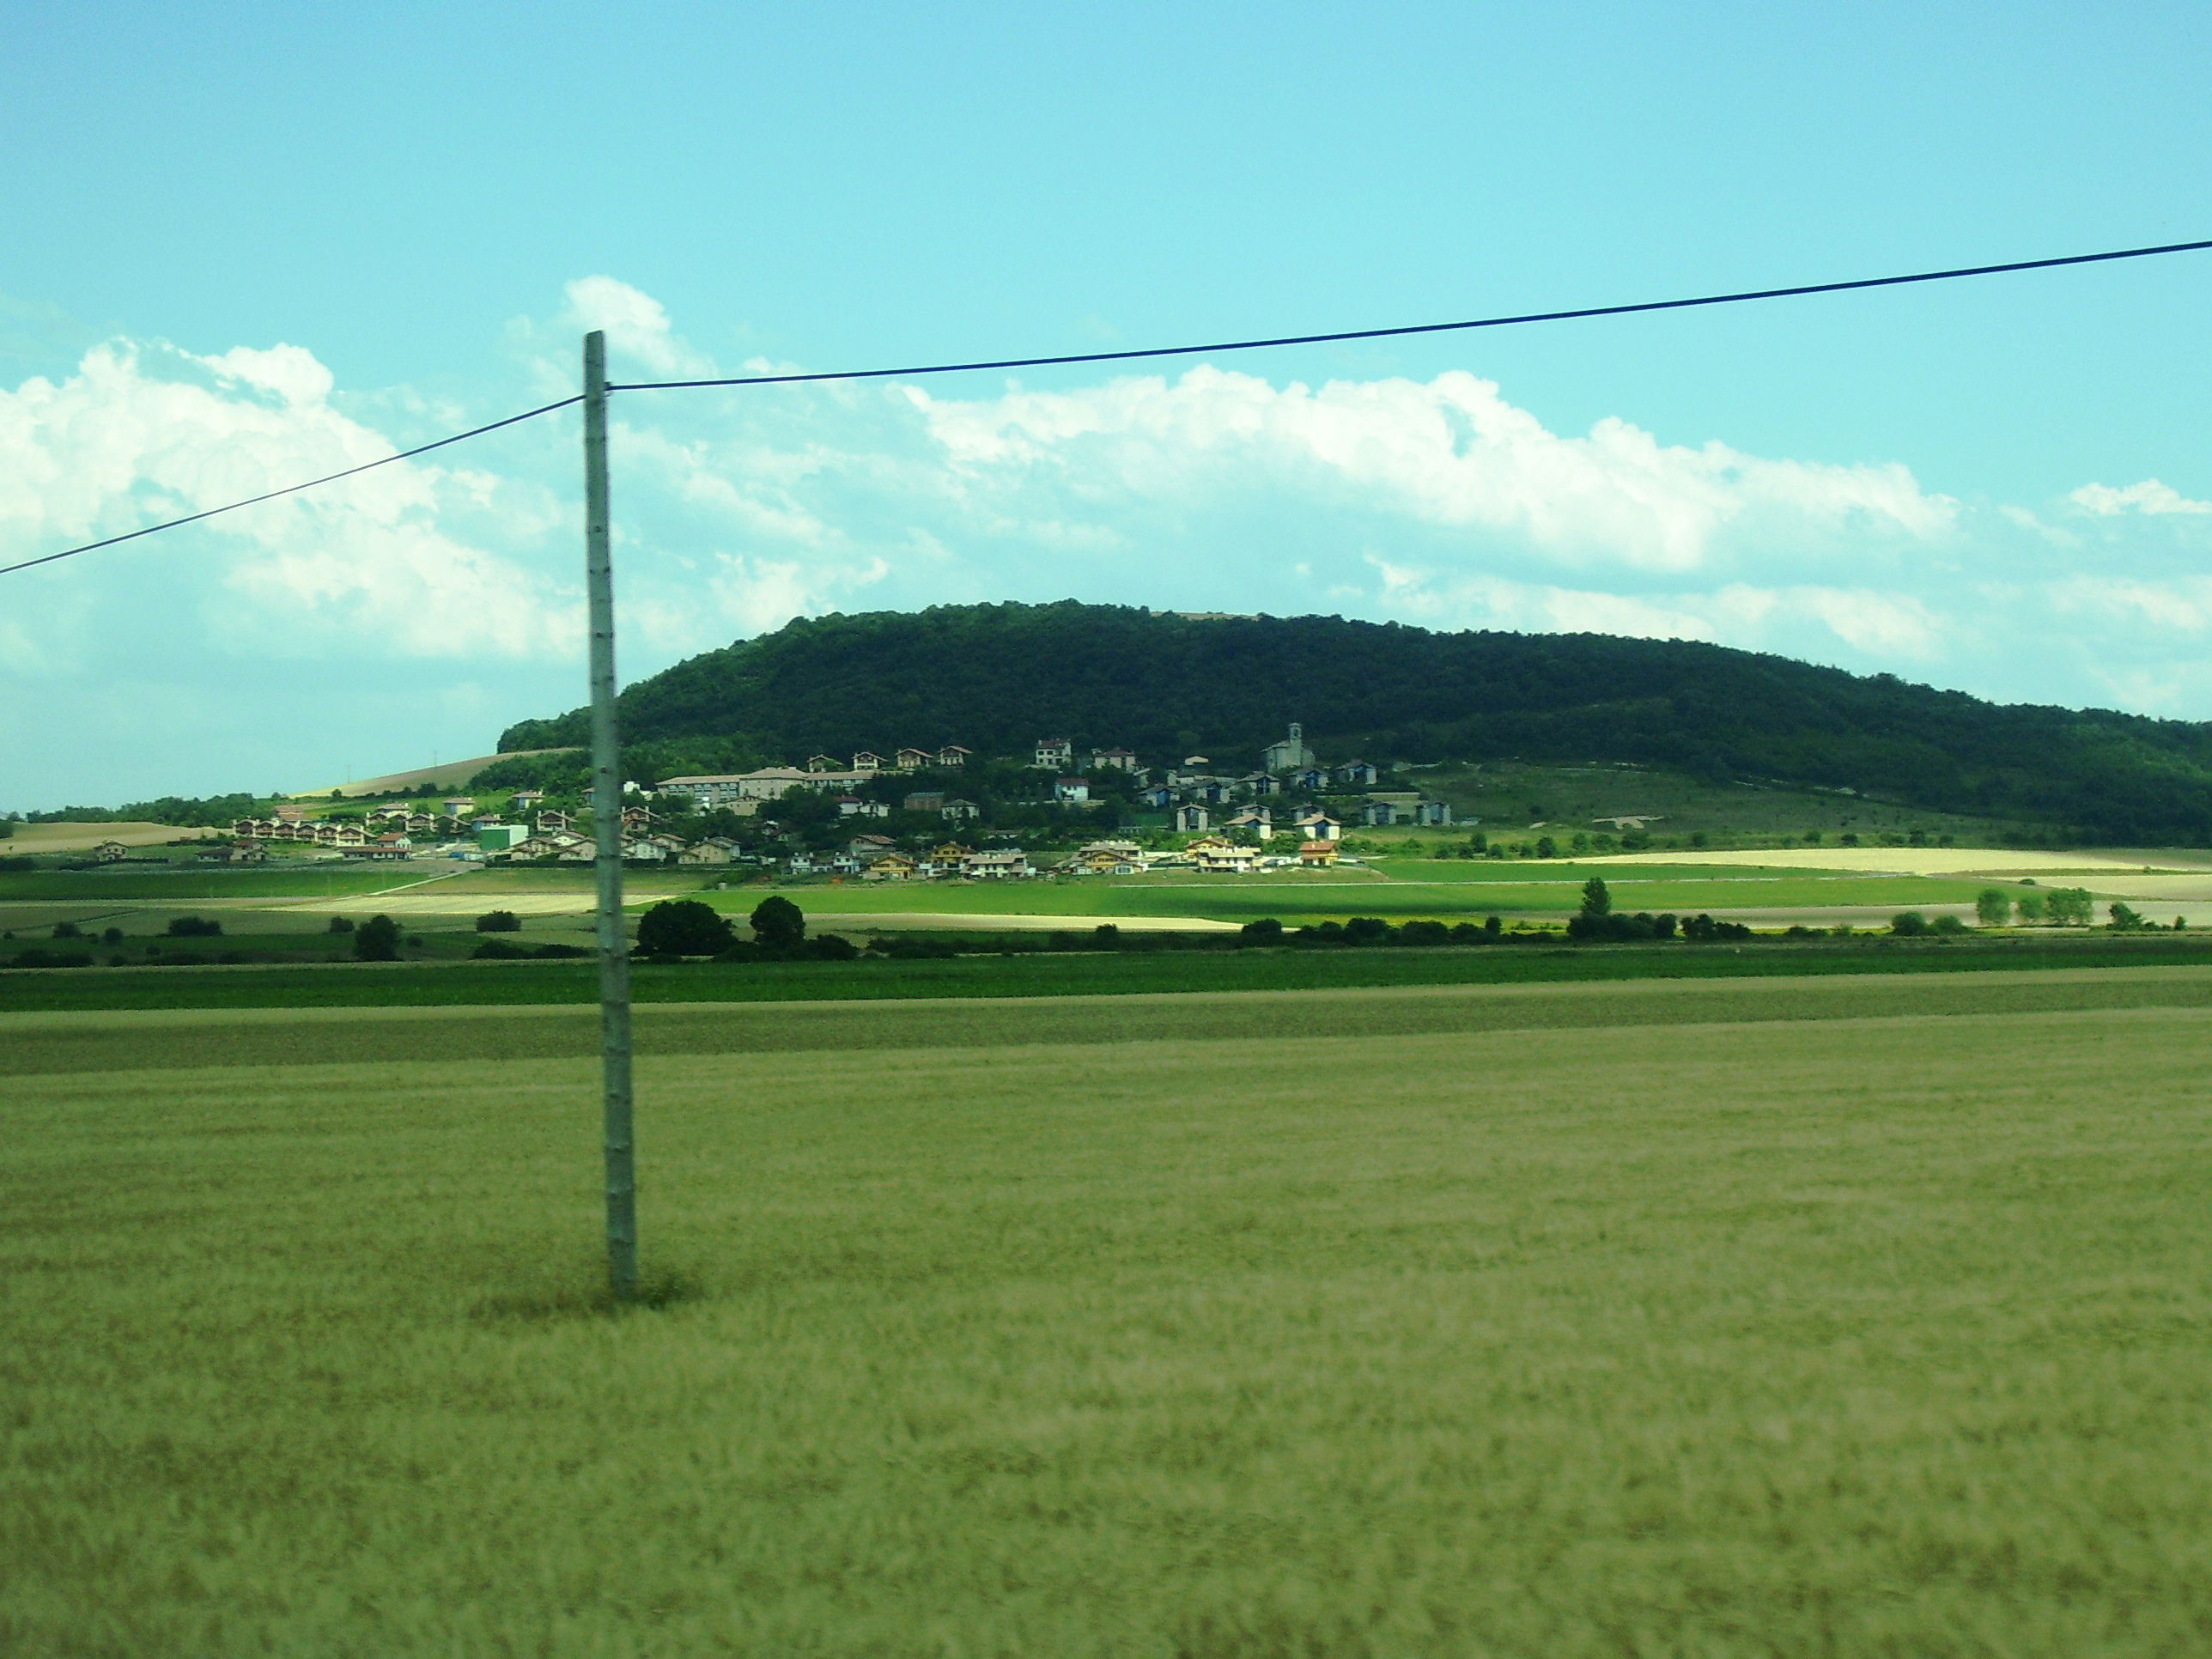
[607, 831]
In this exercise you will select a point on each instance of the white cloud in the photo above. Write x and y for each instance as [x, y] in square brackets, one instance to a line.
[1882, 626]
[289, 371]
[2148, 496]
[2182, 604]
[1450, 453]
[636, 326]
[386, 561]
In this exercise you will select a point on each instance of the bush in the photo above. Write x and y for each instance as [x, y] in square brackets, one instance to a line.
[111, 936]
[2070, 907]
[35, 957]
[1993, 907]
[499, 921]
[377, 940]
[831, 947]
[1266, 931]
[1947, 926]
[1908, 924]
[68, 930]
[194, 927]
[778, 923]
[1366, 930]
[1704, 930]
[2126, 919]
[683, 927]
[341, 924]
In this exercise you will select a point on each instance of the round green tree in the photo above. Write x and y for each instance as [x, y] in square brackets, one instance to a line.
[683, 927]
[778, 923]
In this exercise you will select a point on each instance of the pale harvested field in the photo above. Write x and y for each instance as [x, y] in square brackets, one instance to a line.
[35, 838]
[1926, 860]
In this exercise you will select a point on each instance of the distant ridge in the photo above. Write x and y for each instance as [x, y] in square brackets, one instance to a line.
[996, 677]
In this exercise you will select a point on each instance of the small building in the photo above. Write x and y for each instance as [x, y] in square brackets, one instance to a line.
[524, 800]
[868, 846]
[913, 760]
[1070, 792]
[1054, 754]
[1379, 813]
[1114, 759]
[384, 849]
[1319, 826]
[946, 860]
[868, 760]
[1190, 819]
[1290, 754]
[1358, 774]
[110, 852]
[1432, 814]
[888, 867]
[459, 806]
[953, 755]
[231, 851]
[553, 821]
[1219, 859]
[821, 763]
[956, 810]
[1317, 854]
[1310, 781]
[501, 837]
[996, 866]
[704, 852]
[924, 800]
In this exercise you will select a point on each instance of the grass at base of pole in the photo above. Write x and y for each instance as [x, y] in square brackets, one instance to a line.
[1862, 1336]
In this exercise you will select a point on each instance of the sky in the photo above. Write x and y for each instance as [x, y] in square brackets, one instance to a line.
[249, 244]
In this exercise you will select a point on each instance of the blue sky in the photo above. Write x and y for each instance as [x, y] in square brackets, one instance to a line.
[250, 242]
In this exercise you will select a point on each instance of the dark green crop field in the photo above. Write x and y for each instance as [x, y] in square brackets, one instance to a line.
[456, 983]
[1763, 1317]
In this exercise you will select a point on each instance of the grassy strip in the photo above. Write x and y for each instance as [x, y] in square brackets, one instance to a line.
[514, 983]
[170, 1041]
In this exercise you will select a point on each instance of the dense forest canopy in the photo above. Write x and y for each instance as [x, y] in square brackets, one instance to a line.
[996, 677]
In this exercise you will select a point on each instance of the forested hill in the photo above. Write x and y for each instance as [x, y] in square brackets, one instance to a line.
[996, 677]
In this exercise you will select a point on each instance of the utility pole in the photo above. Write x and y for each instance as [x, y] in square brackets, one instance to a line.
[607, 832]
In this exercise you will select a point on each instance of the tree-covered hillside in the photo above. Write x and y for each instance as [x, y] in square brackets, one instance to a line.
[996, 677]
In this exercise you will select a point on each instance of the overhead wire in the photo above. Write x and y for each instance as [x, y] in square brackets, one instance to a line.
[1400, 331]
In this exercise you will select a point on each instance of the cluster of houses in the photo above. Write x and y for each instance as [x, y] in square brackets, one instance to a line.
[874, 858]
[743, 792]
[1193, 791]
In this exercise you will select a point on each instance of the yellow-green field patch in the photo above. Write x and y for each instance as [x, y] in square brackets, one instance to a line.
[1864, 1333]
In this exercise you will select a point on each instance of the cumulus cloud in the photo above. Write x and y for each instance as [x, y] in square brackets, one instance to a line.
[387, 562]
[1451, 453]
[1881, 625]
[2148, 496]
[636, 325]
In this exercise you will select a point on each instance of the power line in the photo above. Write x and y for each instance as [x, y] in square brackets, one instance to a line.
[1427, 328]
[294, 490]
[1400, 331]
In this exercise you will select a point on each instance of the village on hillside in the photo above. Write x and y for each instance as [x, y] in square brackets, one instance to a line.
[900, 817]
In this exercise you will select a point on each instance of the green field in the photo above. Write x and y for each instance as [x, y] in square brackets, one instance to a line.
[462, 984]
[1763, 1317]
[298, 880]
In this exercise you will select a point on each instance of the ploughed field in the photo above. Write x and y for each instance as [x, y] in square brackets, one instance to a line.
[1777, 1315]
